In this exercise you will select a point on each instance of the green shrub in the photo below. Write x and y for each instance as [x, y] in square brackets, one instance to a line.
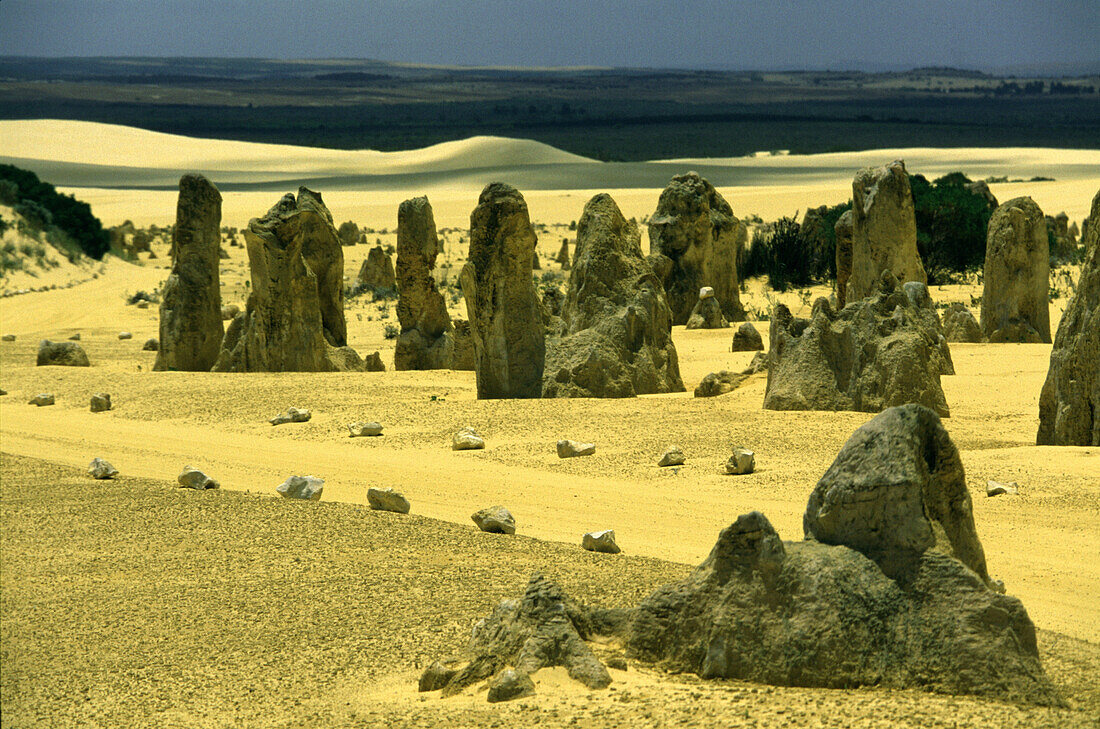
[70, 215]
[951, 226]
[782, 254]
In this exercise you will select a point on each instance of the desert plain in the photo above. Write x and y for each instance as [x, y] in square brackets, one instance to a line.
[135, 603]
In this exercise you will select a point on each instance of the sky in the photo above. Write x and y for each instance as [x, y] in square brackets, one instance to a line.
[768, 34]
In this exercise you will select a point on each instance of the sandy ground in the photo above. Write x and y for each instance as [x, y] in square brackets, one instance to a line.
[1042, 543]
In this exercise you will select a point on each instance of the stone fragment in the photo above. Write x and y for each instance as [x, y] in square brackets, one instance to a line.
[42, 399]
[8, 338]
[435, 677]
[572, 449]
[365, 429]
[747, 339]
[125, 335]
[100, 469]
[992, 488]
[192, 478]
[1015, 297]
[672, 456]
[292, 415]
[508, 685]
[496, 520]
[602, 541]
[75, 337]
[719, 383]
[707, 313]
[741, 461]
[66, 354]
[152, 344]
[305, 488]
[101, 401]
[467, 439]
[386, 499]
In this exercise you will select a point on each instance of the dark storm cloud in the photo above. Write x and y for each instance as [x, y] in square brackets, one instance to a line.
[653, 33]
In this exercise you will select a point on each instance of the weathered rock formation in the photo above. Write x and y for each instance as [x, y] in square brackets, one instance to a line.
[615, 335]
[889, 587]
[1069, 406]
[1015, 300]
[377, 272]
[843, 230]
[884, 230]
[67, 354]
[747, 339]
[1064, 246]
[503, 308]
[425, 341]
[873, 354]
[563, 255]
[294, 318]
[707, 313]
[719, 383]
[464, 358]
[693, 242]
[191, 328]
[959, 325]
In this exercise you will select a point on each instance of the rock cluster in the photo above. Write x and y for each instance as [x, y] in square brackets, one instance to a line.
[884, 230]
[377, 272]
[1069, 405]
[191, 328]
[614, 337]
[694, 239]
[1015, 298]
[425, 341]
[875, 353]
[66, 354]
[503, 308]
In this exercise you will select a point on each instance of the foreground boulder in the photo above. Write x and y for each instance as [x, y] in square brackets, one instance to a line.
[65, 354]
[191, 328]
[425, 341]
[377, 272]
[693, 242]
[542, 630]
[614, 337]
[889, 587]
[1015, 298]
[294, 318]
[884, 230]
[503, 308]
[1069, 406]
[873, 354]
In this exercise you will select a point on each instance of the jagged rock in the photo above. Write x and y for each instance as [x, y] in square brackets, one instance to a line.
[741, 461]
[884, 230]
[563, 255]
[707, 313]
[693, 242]
[425, 341]
[386, 499]
[603, 541]
[66, 354]
[1015, 299]
[348, 233]
[573, 449]
[672, 456]
[464, 358]
[294, 317]
[305, 488]
[42, 399]
[495, 519]
[503, 308]
[615, 333]
[510, 684]
[191, 328]
[467, 439]
[292, 415]
[889, 588]
[747, 339]
[1069, 405]
[192, 478]
[542, 630]
[230, 311]
[435, 677]
[125, 335]
[959, 325]
[152, 344]
[719, 383]
[101, 402]
[75, 337]
[377, 271]
[992, 488]
[101, 470]
[365, 429]
[8, 338]
[874, 353]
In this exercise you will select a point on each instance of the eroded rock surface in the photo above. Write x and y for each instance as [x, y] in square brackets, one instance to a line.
[959, 325]
[65, 354]
[425, 341]
[884, 230]
[376, 272]
[1015, 298]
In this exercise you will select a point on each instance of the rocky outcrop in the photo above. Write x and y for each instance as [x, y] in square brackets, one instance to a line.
[294, 318]
[191, 328]
[464, 358]
[615, 335]
[959, 325]
[888, 588]
[693, 242]
[873, 354]
[66, 354]
[1015, 299]
[884, 230]
[843, 230]
[425, 341]
[1069, 405]
[503, 308]
[707, 313]
[747, 339]
[377, 272]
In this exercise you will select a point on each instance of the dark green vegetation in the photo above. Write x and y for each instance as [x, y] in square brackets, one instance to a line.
[952, 222]
[61, 216]
[790, 255]
[621, 114]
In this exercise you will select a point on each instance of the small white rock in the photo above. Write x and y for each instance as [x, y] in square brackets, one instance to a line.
[572, 449]
[100, 469]
[742, 461]
[125, 335]
[307, 488]
[386, 499]
[467, 439]
[192, 478]
[600, 542]
[364, 429]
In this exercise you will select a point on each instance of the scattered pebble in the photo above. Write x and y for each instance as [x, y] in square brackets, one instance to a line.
[292, 415]
[572, 449]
